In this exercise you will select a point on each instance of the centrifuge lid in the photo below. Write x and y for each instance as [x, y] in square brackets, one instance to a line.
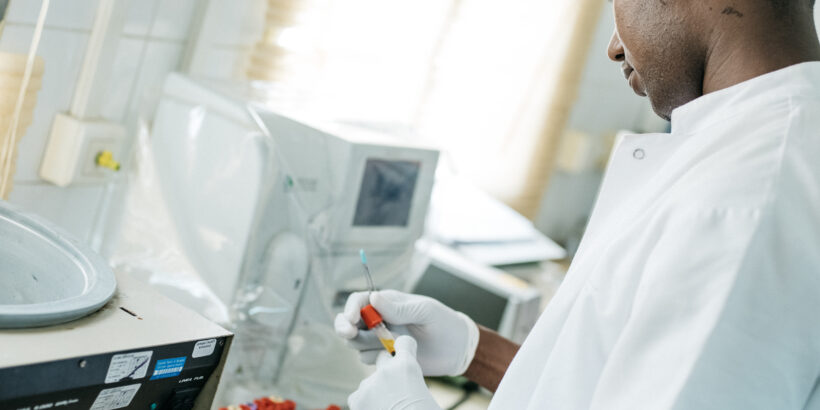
[46, 276]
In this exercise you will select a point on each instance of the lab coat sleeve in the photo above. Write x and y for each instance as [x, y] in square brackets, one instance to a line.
[725, 317]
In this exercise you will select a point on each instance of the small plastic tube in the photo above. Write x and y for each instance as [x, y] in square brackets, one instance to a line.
[373, 320]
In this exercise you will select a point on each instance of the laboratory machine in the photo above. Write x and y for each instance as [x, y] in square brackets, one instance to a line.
[141, 350]
[75, 335]
[339, 190]
[504, 237]
[508, 305]
[270, 211]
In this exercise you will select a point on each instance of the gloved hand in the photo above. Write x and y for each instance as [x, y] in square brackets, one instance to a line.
[447, 339]
[397, 383]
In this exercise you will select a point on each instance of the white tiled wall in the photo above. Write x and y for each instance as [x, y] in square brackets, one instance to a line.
[229, 31]
[167, 23]
[124, 73]
[63, 52]
[153, 42]
[139, 17]
[68, 15]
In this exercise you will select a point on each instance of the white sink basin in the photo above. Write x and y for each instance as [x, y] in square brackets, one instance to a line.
[47, 277]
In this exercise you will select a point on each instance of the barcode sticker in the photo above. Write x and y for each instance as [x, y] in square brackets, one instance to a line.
[168, 368]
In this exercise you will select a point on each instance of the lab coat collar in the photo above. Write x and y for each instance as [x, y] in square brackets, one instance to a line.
[766, 89]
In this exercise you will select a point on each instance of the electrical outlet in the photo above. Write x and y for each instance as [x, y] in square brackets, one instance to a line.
[82, 151]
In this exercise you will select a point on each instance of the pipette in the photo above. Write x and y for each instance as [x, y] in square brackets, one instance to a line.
[371, 317]
[367, 275]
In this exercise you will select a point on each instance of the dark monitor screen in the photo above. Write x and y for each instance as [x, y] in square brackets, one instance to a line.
[484, 307]
[386, 193]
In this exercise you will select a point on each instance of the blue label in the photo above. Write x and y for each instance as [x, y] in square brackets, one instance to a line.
[168, 368]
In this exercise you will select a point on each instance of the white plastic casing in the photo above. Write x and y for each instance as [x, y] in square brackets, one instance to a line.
[73, 147]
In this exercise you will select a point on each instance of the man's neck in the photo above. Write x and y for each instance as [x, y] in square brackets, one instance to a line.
[749, 48]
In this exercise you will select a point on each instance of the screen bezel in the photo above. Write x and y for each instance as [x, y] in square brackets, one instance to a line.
[345, 233]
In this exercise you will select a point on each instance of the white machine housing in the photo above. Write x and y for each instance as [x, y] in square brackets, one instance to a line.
[331, 165]
[315, 172]
[489, 296]
[95, 361]
[272, 211]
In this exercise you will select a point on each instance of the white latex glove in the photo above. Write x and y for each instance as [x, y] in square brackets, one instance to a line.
[447, 339]
[397, 383]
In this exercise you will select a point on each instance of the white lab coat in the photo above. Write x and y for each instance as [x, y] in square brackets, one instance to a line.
[697, 284]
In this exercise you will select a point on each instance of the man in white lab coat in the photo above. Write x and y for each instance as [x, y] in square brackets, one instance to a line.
[697, 284]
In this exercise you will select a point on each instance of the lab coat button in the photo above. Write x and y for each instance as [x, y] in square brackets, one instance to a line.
[638, 154]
